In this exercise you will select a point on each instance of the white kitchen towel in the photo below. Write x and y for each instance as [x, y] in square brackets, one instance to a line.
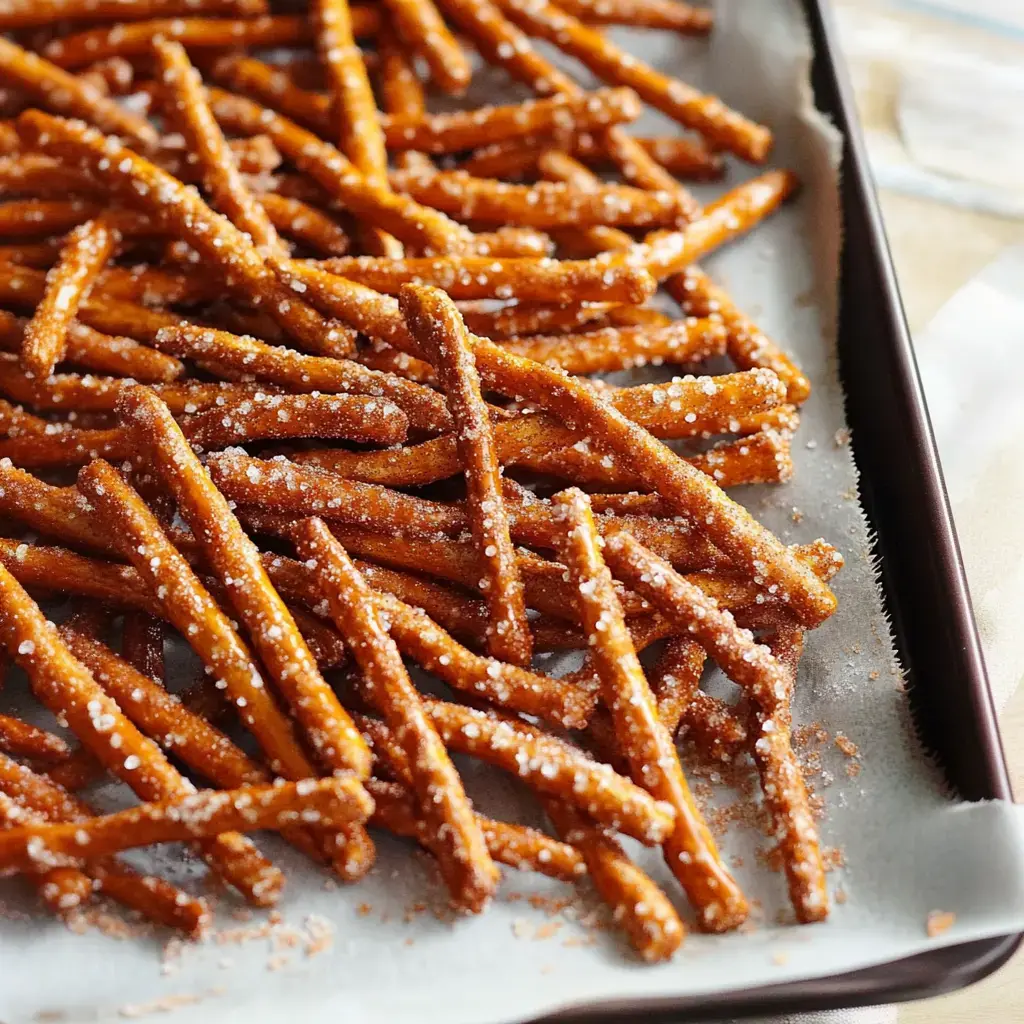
[968, 357]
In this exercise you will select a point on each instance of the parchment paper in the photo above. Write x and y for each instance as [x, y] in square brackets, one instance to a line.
[905, 848]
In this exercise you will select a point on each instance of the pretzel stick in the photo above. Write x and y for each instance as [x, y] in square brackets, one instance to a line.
[335, 801]
[353, 111]
[664, 14]
[769, 684]
[544, 205]
[529, 319]
[417, 225]
[515, 845]
[512, 241]
[305, 224]
[462, 853]
[39, 255]
[92, 393]
[354, 417]
[234, 556]
[438, 133]
[55, 89]
[424, 641]
[14, 421]
[228, 355]
[747, 345]
[612, 348]
[477, 277]
[264, 417]
[785, 790]
[55, 570]
[668, 252]
[552, 766]
[62, 889]
[682, 157]
[438, 327]
[142, 645]
[153, 897]
[67, 688]
[83, 256]
[135, 39]
[204, 748]
[24, 740]
[401, 90]
[643, 740]
[503, 44]
[188, 606]
[19, 14]
[637, 904]
[93, 350]
[36, 217]
[721, 126]
[220, 175]
[423, 30]
[183, 212]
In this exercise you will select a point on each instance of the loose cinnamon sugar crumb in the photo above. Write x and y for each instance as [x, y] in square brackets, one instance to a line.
[546, 930]
[846, 745]
[833, 857]
[520, 928]
[853, 769]
[840, 896]
[365, 909]
[939, 922]
[873, 675]
[780, 959]
[165, 1004]
[275, 963]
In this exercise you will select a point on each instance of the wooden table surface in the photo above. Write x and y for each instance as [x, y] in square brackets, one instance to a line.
[937, 248]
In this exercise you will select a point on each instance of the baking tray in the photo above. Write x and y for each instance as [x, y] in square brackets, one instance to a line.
[922, 576]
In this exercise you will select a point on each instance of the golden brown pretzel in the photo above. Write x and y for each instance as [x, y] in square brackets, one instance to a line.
[51, 87]
[354, 120]
[417, 225]
[543, 205]
[515, 845]
[479, 277]
[167, 200]
[231, 356]
[335, 801]
[665, 14]
[747, 344]
[136, 38]
[24, 740]
[643, 740]
[458, 842]
[707, 114]
[216, 164]
[19, 14]
[437, 325]
[423, 30]
[637, 903]
[83, 256]
[258, 605]
[66, 688]
[156, 899]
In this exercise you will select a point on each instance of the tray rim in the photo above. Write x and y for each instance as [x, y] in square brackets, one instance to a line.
[950, 968]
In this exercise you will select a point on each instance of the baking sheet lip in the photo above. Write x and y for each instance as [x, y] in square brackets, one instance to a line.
[962, 965]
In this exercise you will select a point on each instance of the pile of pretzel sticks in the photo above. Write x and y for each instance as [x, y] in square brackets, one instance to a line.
[305, 376]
